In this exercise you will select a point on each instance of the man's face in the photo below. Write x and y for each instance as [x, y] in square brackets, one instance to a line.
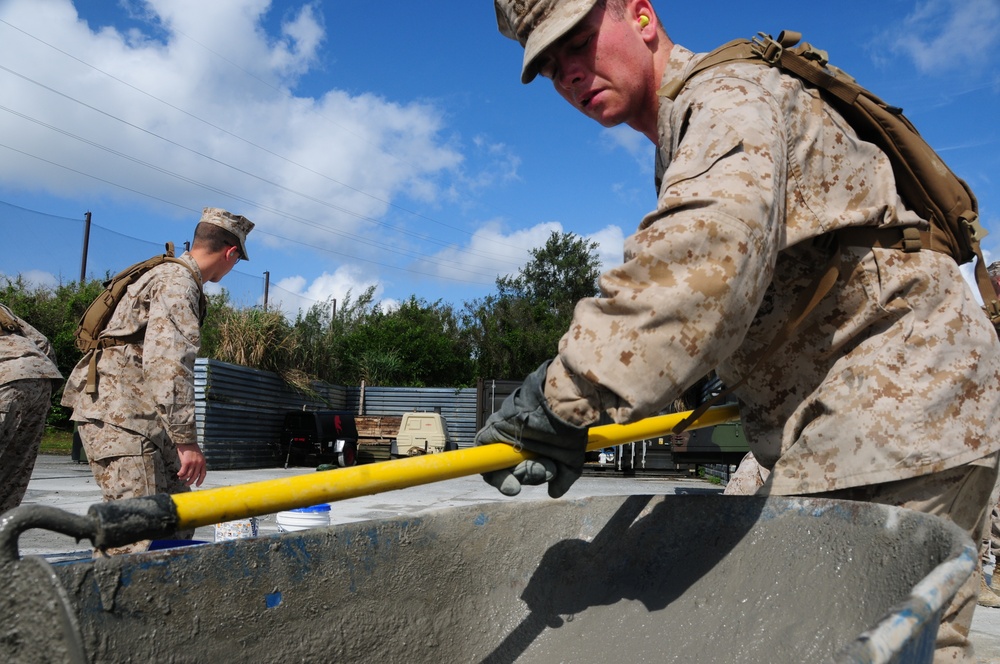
[602, 67]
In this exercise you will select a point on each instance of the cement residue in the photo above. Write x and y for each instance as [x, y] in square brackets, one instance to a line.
[777, 596]
[36, 621]
[682, 578]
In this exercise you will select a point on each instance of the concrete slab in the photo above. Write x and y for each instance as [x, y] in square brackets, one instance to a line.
[60, 482]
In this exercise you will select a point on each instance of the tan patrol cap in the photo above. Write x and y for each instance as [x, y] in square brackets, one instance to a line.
[236, 224]
[536, 24]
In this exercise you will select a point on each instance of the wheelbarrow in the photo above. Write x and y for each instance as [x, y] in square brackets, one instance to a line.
[691, 578]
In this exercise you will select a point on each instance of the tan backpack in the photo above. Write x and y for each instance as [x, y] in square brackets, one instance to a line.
[9, 323]
[95, 318]
[925, 184]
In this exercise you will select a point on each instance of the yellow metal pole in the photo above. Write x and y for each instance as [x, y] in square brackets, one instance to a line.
[202, 508]
[612, 435]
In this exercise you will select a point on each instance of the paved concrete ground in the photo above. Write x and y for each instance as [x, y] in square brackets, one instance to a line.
[60, 482]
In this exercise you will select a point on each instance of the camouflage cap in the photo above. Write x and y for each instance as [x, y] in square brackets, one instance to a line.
[536, 24]
[236, 224]
[994, 269]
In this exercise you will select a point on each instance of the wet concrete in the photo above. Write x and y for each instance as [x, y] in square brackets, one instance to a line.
[518, 581]
[58, 481]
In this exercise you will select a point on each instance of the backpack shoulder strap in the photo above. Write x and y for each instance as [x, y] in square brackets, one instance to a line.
[736, 50]
[765, 50]
[94, 320]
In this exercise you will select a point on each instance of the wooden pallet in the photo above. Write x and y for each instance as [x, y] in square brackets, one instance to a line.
[377, 429]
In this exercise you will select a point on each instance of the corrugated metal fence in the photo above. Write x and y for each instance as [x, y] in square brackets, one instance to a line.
[240, 410]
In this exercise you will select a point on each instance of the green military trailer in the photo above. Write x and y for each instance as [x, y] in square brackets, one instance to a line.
[723, 444]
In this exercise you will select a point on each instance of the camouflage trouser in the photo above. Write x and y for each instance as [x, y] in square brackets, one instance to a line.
[749, 477]
[961, 495]
[24, 406]
[153, 470]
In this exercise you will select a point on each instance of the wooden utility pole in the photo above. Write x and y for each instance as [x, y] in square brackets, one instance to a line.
[86, 246]
[267, 284]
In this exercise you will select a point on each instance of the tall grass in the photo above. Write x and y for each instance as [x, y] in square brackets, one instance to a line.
[263, 340]
[255, 338]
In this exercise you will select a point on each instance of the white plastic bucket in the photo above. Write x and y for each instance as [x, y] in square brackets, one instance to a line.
[304, 518]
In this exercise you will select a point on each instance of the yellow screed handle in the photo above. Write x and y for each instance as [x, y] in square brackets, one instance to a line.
[240, 501]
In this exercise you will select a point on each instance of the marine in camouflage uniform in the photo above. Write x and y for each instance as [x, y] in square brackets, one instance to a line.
[990, 595]
[28, 374]
[140, 422]
[713, 273]
[887, 392]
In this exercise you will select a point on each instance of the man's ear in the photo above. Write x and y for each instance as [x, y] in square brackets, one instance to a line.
[641, 11]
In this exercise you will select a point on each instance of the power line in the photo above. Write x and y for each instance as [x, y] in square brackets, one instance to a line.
[183, 178]
[183, 207]
[115, 266]
[217, 161]
[253, 144]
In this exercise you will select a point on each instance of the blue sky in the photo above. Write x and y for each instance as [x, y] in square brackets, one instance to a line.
[392, 144]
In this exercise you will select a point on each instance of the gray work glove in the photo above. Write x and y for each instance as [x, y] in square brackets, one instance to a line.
[526, 421]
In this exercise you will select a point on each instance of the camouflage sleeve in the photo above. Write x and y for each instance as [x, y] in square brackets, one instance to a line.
[170, 346]
[39, 339]
[26, 354]
[695, 273]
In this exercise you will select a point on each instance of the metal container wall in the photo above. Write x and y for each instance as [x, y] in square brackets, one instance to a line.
[693, 579]
[240, 410]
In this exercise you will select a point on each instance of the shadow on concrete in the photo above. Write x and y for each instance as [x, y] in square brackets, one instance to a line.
[637, 562]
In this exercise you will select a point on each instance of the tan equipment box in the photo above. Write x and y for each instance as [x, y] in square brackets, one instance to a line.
[421, 433]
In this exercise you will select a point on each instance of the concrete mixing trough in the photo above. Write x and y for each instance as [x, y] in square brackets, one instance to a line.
[625, 578]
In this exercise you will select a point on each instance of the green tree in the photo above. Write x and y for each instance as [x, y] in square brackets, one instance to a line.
[512, 332]
[55, 312]
[418, 344]
[561, 272]
[318, 336]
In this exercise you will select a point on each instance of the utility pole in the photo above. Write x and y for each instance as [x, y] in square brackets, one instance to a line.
[86, 245]
[267, 284]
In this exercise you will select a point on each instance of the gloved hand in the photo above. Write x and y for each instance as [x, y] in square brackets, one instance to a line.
[525, 420]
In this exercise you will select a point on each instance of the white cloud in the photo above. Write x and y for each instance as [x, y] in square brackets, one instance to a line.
[491, 251]
[494, 251]
[949, 35]
[611, 246]
[203, 112]
[294, 293]
[303, 34]
[240, 104]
